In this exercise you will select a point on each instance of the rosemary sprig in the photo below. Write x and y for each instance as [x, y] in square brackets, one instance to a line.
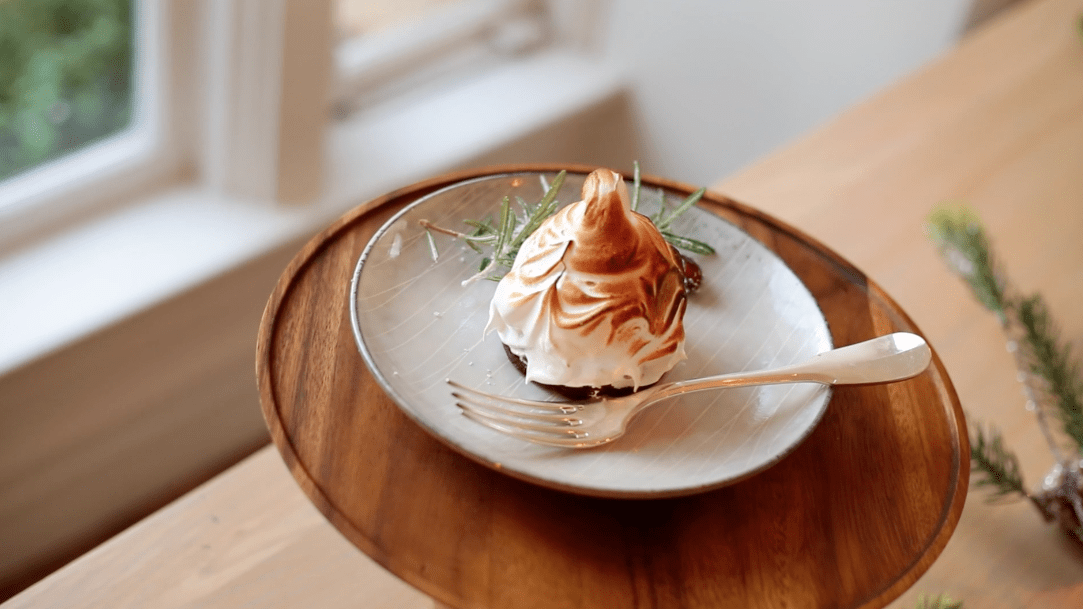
[506, 235]
[545, 208]
[432, 244]
[687, 243]
[692, 199]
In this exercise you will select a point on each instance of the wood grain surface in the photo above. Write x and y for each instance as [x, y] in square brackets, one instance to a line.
[851, 517]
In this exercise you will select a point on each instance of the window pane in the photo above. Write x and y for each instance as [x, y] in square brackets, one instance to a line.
[65, 77]
[362, 17]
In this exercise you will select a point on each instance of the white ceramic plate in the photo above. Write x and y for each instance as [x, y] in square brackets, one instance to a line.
[417, 325]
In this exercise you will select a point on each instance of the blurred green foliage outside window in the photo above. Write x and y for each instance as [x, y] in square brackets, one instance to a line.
[65, 77]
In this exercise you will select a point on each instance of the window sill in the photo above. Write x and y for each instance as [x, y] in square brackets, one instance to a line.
[61, 290]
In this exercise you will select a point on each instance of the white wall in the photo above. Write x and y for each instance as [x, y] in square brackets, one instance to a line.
[718, 83]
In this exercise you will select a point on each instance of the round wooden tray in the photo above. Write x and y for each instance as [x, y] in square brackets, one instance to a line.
[851, 518]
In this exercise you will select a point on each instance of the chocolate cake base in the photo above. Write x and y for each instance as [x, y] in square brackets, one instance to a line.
[573, 393]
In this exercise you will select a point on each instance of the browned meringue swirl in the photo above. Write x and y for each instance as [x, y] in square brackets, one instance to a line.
[595, 296]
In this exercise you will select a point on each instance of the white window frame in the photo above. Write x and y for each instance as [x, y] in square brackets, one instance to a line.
[67, 188]
[374, 66]
[205, 184]
[235, 148]
[266, 109]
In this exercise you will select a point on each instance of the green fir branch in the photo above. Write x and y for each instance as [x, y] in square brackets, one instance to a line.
[1051, 377]
[1052, 361]
[994, 465]
[938, 602]
[961, 240]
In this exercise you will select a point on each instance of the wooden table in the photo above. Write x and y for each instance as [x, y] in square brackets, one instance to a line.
[998, 124]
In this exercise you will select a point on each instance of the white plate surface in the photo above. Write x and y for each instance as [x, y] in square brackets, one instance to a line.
[417, 325]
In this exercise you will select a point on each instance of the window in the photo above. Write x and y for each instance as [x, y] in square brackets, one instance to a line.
[207, 91]
[66, 81]
[388, 48]
[362, 18]
[81, 106]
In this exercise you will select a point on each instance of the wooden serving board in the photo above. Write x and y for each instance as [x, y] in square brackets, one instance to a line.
[850, 518]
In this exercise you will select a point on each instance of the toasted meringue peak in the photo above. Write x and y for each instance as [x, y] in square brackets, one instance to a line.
[595, 297]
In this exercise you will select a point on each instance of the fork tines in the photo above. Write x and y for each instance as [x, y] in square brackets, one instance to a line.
[528, 419]
[504, 402]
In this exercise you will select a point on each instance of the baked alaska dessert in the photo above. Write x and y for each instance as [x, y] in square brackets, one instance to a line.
[594, 303]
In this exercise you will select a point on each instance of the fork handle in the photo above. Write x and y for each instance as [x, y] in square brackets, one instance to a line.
[884, 359]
